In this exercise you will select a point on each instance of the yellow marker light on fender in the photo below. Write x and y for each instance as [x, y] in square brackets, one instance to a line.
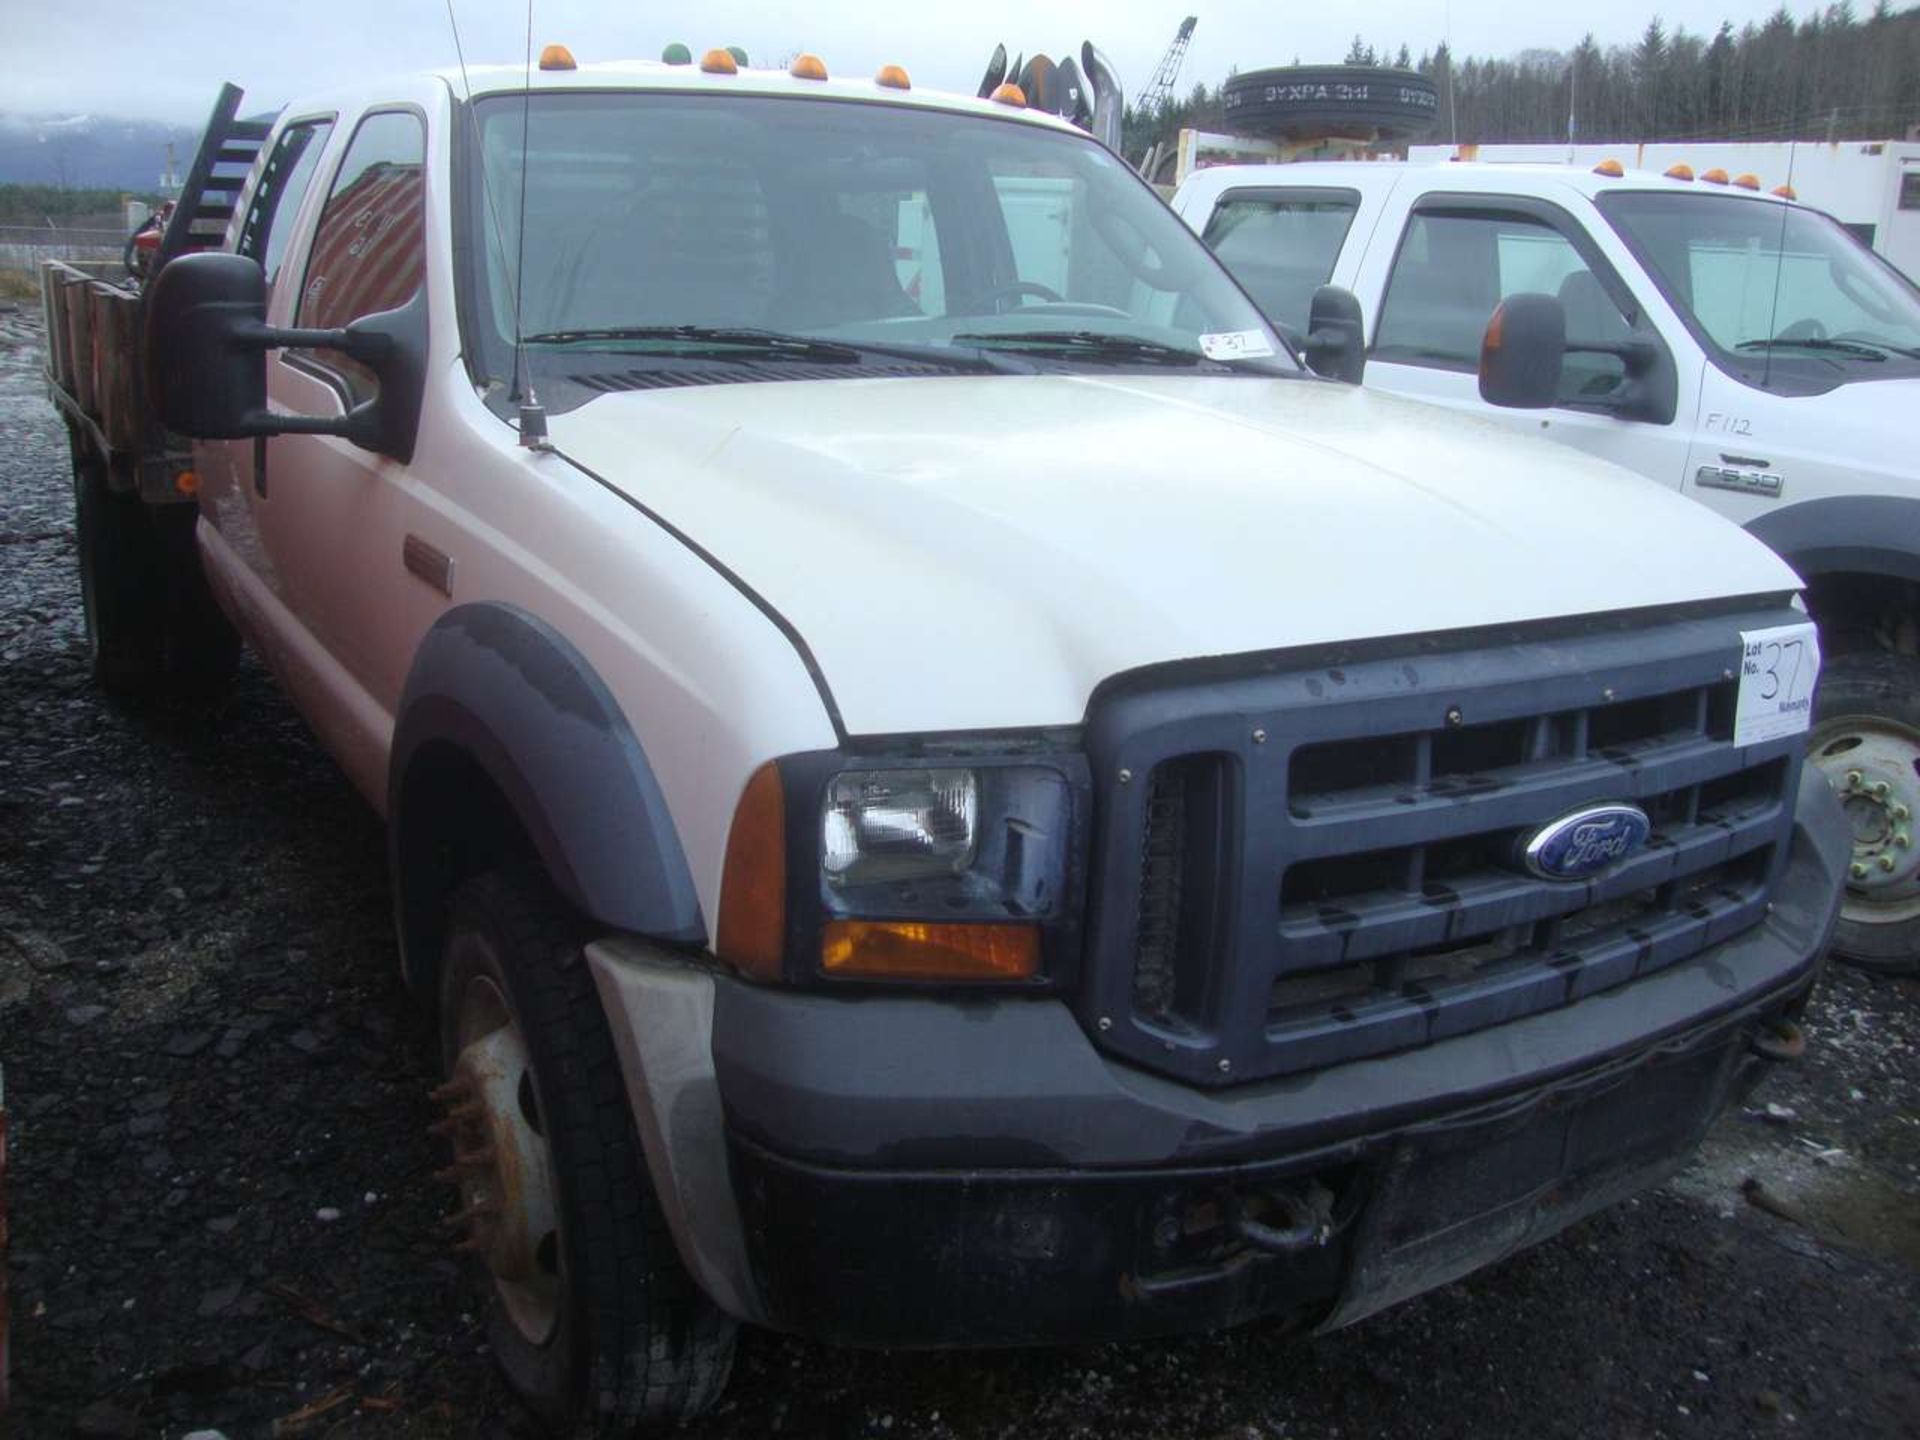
[808, 67]
[893, 78]
[1786, 192]
[914, 950]
[753, 880]
[1679, 172]
[1009, 93]
[557, 57]
[1715, 176]
[1612, 169]
[719, 62]
[1747, 182]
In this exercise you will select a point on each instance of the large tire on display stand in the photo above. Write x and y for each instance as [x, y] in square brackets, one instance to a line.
[1314, 102]
[1866, 741]
[593, 1319]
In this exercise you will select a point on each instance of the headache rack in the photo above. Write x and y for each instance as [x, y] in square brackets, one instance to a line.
[1317, 861]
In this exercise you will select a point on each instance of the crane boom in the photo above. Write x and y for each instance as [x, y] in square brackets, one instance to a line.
[1160, 89]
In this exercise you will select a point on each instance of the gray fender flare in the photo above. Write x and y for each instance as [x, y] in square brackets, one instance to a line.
[515, 697]
[1851, 534]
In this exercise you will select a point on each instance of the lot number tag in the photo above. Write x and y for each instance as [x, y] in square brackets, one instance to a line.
[1235, 345]
[1778, 667]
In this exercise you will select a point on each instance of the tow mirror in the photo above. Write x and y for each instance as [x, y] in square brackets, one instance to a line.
[1335, 345]
[206, 341]
[1523, 351]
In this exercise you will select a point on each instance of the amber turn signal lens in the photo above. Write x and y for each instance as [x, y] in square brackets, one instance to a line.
[910, 950]
[753, 881]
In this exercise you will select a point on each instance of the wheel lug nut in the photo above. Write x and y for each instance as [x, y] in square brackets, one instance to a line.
[1886, 863]
[1900, 812]
[1881, 790]
[1857, 870]
[1855, 779]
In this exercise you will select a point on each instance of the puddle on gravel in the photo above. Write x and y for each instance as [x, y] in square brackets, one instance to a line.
[1831, 1193]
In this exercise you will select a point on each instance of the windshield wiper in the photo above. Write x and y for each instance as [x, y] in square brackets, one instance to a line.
[705, 341]
[1086, 344]
[1844, 347]
[772, 343]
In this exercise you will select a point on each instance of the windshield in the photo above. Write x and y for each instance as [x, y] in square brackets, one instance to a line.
[1774, 289]
[717, 234]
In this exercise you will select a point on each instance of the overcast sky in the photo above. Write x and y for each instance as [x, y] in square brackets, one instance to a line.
[163, 59]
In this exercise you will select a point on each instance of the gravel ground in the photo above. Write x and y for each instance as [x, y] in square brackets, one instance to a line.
[223, 1216]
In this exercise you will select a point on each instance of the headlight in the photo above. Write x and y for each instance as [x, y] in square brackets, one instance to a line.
[962, 869]
[898, 825]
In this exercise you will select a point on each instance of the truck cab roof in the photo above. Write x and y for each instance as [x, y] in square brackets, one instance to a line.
[424, 87]
[1374, 177]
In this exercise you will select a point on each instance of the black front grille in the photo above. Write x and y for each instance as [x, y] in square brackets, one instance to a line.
[1317, 864]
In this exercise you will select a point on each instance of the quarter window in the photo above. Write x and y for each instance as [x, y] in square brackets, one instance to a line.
[1282, 245]
[276, 199]
[1455, 267]
[369, 250]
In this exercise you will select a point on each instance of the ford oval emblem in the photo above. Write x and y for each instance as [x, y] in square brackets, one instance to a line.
[1586, 842]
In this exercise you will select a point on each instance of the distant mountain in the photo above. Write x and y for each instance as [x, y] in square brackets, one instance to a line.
[91, 151]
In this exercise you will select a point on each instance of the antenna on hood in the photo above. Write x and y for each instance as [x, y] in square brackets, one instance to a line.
[533, 417]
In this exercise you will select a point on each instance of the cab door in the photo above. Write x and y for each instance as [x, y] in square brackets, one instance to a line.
[332, 517]
[1434, 286]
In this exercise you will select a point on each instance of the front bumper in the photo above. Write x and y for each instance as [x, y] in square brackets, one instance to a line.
[915, 1171]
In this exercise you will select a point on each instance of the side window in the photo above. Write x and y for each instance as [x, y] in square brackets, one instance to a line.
[1455, 267]
[276, 200]
[1282, 245]
[369, 250]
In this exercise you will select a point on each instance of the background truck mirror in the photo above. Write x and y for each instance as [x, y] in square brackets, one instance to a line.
[1335, 345]
[1522, 353]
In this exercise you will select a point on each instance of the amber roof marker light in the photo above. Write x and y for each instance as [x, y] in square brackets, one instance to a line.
[892, 77]
[719, 62]
[808, 67]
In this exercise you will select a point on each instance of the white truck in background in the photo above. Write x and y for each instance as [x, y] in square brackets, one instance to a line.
[1730, 344]
[1872, 187]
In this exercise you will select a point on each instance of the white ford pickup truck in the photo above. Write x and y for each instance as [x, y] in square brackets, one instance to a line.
[945, 788]
[1731, 345]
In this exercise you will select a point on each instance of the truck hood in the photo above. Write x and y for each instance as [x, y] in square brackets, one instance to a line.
[1861, 433]
[981, 552]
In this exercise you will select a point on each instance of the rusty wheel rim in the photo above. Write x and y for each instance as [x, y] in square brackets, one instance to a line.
[508, 1214]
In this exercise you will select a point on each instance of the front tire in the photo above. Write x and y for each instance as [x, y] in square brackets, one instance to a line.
[1866, 741]
[592, 1316]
